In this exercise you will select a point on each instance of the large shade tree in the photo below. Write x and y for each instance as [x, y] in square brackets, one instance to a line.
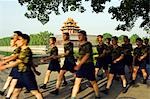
[127, 12]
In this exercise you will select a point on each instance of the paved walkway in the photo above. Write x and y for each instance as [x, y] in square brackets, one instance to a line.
[139, 91]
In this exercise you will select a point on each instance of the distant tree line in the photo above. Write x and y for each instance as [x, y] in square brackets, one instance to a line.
[120, 38]
[5, 41]
[42, 38]
[35, 39]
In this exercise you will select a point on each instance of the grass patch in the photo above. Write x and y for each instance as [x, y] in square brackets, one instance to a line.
[5, 53]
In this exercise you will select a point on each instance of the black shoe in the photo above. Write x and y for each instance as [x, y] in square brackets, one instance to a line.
[37, 73]
[144, 81]
[124, 90]
[97, 97]
[43, 86]
[55, 92]
[2, 93]
[65, 83]
[132, 82]
[106, 91]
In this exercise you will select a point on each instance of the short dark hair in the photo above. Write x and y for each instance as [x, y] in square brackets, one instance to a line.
[82, 32]
[26, 37]
[11, 38]
[53, 38]
[19, 33]
[100, 36]
[139, 39]
[115, 38]
[125, 37]
[66, 33]
[146, 39]
[109, 39]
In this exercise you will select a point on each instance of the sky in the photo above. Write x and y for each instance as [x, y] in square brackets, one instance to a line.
[12, 18]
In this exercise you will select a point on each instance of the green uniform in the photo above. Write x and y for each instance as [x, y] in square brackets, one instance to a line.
[137, 53]
[26, 75]
[101, 60]
[69, 62]
[117, 68]
[54, 63]
[26, 57]
[128, 58]
[87, 70]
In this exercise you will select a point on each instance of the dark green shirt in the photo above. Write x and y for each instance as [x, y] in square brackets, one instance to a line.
[68, 47]
[25, 56]
[84, 49]
[17, 50]
[127, 49]
[109, 49]
[116, 52]
[139, 51]
[148, 56]
[100, 49]
[53, 52]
